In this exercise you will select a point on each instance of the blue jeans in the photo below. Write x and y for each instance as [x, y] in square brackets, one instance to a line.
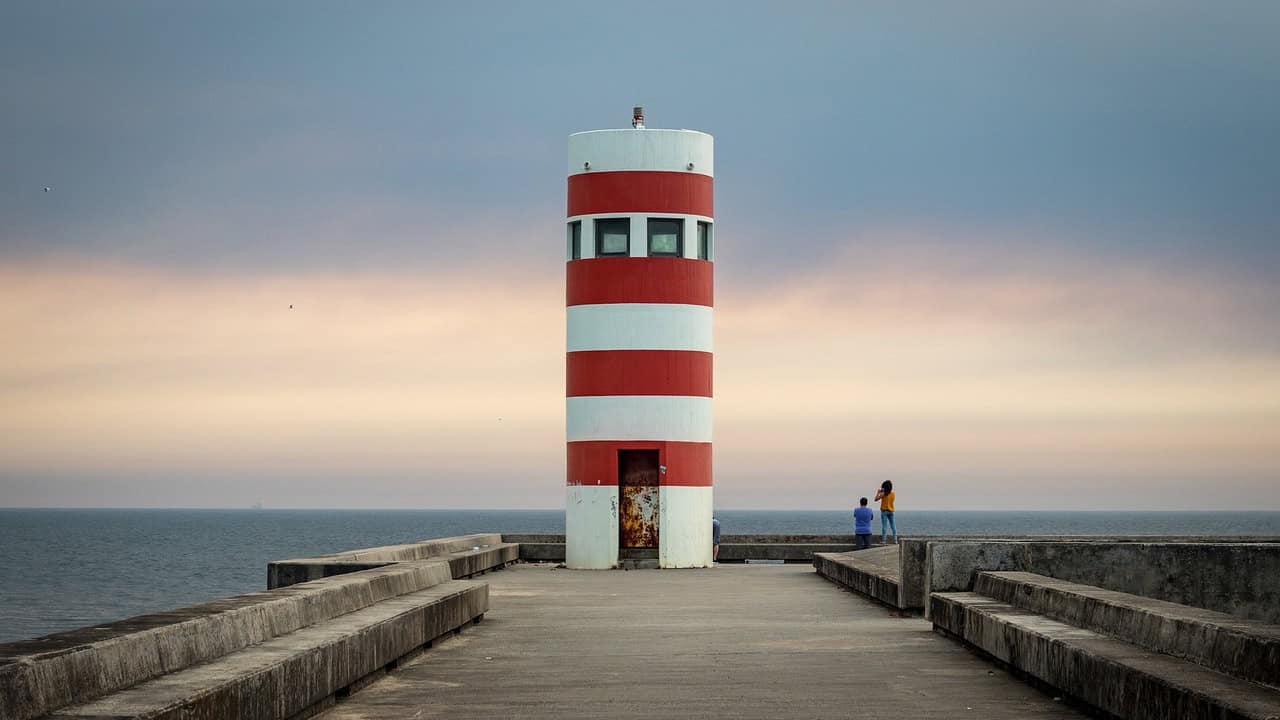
[886, 522]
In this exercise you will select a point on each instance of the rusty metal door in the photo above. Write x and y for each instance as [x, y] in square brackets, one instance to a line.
[638, 498]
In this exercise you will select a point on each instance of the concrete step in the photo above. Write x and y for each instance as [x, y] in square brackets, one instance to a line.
[1247, 649]
[873, 572]
[43, 674]
[467, 555]
[480, 560]
[1111, 675]
[638, 553]
[287, 675]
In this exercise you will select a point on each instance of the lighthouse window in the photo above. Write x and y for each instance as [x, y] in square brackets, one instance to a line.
[704, 240]
[613, 237]
[666, 237]
[575, 240]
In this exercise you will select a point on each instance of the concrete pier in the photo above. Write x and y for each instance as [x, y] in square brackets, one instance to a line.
[1144, 628]
[735, 641]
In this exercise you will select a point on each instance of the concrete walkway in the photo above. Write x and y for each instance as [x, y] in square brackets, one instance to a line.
[736, 641]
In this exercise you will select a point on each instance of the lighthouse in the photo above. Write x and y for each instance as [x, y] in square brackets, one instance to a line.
[639, 287]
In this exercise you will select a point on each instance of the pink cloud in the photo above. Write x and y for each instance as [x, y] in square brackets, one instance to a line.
[1003, 389]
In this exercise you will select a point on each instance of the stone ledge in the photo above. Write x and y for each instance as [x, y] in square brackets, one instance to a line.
[285, 676]
[541, 551]
[470, 563]
[1107, 674]
[786, 552]
[43, 674]
[733, 548]
[1228, 577]
[873, 573]
[467, 555]
[1244, 648]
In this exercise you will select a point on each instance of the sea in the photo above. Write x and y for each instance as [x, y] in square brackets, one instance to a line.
[67, 568]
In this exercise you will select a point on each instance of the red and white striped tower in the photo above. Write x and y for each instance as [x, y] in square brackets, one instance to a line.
[639, 291]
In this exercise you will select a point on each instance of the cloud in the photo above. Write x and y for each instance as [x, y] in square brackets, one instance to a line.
[985, 388]
[233, 137]
[168, 381]
[1012, 255]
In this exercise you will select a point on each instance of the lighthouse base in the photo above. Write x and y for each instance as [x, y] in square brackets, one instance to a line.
[592, 527]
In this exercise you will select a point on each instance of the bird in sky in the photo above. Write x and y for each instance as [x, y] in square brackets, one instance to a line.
[47, 188]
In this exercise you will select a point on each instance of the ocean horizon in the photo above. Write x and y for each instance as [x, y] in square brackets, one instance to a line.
[64, 568]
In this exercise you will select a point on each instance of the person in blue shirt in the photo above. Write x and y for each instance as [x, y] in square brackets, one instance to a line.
[715, 540]
[862, 517]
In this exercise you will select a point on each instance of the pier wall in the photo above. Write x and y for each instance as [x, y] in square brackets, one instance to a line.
[325, 628]
[1145, 627]
[873, 573]
[1236, 575]
[1241, 579]
[467, 555]
[797, 548]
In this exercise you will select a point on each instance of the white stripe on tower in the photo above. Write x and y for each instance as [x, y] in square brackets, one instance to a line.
[639, 417]
[639, 326]
[670, 150]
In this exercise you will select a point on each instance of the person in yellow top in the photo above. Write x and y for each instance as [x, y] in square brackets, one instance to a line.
[886, 496]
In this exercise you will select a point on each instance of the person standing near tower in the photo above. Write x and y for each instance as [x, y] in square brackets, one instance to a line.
[862, 517]
[886, 496]
[715, 540]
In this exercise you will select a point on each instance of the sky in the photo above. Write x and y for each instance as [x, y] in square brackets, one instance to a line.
[1011, 255]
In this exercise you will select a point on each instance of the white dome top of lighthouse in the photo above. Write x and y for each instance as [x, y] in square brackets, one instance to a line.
[641, 149]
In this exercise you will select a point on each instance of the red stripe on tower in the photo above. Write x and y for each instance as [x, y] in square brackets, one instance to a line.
[595, 462]
[641, 191]
[598, 281]
[638, 372]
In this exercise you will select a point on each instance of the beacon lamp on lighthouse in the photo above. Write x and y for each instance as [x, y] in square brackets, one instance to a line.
[638, 381]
